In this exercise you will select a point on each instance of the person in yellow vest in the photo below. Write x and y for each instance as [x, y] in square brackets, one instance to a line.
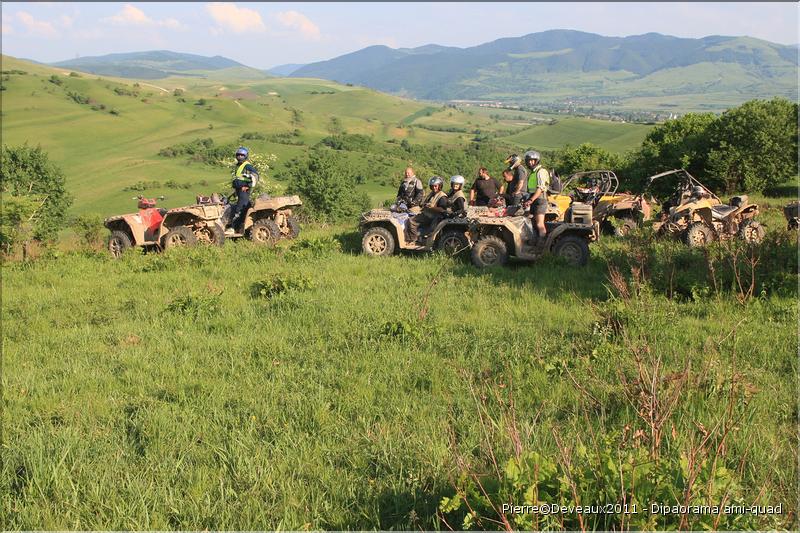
[456, 199]
[434, 206]
[245, 176]
[538, 183]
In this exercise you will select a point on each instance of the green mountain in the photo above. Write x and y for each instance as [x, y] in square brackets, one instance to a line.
[148, 65]
[573, 66]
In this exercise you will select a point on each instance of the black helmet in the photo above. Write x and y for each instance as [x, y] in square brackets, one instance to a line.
[513, 160]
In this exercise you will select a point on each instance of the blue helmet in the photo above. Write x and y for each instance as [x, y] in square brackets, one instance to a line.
[243, 151]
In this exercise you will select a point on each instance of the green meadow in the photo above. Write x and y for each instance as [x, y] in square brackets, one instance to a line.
[307, 386]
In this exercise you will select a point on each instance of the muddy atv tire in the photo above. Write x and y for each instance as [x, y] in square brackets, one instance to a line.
[751, 232]
[179, 236]
[293, 227]
[118, 242]
[489, 251]
[572, 248]
[699, 235]
[213, 235]
[377, 241]
[452, 242]
[627, 225]
[265, 231]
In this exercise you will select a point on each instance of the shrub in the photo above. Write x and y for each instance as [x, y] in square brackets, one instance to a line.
[27, 172]
[90, 229]
[279, 284]
[327, 185]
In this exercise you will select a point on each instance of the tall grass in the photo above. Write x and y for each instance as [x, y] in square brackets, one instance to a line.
[298, 387]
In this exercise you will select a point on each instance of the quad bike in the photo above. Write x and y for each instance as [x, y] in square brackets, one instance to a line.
[792, 214]
[155, 228]
[267, 219]
[598, 188]
[383, 232]
[695, 214]
[496, 238]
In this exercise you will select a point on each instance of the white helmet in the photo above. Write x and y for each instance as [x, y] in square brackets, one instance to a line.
[457, 179]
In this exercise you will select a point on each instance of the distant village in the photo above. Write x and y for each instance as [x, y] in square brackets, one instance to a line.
[580, 108]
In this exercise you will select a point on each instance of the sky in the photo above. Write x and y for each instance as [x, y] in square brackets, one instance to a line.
[264, 35]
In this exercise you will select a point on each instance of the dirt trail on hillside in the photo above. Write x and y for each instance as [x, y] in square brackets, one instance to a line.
[154, 86]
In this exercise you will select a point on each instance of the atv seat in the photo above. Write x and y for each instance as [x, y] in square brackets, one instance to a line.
[739, 201]
[721, 211]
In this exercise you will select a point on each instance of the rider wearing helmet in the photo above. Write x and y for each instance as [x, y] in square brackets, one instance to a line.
[434, 206]
[456, 199]
[411, 190]
[245, 176]
[516, 187]
[537, 187]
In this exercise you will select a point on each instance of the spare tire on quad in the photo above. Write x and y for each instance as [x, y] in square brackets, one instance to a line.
[179, 236]
[572, 248]
[489, 251]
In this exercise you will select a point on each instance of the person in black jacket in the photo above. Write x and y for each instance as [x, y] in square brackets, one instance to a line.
[456, 199]
[245, 176]
[518, 186]
[411, 191]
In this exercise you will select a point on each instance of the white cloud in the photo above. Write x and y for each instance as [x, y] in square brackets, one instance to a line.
[297, 21]
[236, 19]
[36, 27]
[133, 16]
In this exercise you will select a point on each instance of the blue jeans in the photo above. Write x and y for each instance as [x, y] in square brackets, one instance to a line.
[242, 201]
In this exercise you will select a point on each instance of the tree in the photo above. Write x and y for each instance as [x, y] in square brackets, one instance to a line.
[327, 185]
[679, 143]
[27, 172]
[754, 145]
[584, 157]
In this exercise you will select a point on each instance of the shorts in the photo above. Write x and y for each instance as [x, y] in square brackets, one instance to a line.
[539, 206]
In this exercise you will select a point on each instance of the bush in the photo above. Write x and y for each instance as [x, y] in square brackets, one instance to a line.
[27, 172]
[90, 229]
[327, 185]
[55, 80]
[280, 284]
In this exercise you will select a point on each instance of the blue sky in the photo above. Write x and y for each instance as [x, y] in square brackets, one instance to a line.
[263, 35]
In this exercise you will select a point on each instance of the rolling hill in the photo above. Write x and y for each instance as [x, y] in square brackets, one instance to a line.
[106, 132]
[148, 65]
[564, 65]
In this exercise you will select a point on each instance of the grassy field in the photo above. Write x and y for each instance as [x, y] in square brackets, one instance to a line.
[310, 387]
[102, 153]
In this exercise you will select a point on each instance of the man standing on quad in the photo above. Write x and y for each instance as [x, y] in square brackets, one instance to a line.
[245, 176]
[411, 190]
[537, 186]
[456, 199]
[516, 188]
[433, 207]
[484, 189]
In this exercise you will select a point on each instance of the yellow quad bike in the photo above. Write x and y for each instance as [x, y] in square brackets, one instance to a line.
[599, 188]
[696, 215]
